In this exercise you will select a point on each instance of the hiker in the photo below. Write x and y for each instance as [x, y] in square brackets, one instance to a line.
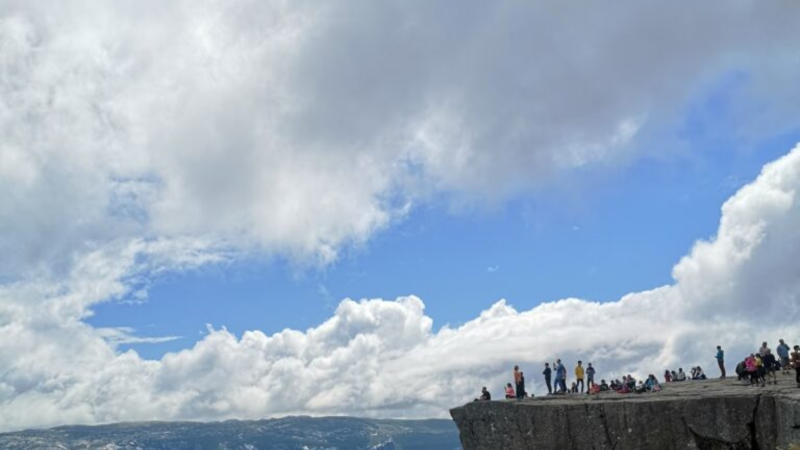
[761, 370]
[783, 354]
[557, 388]
[741, 371]
[697, 373]
[510, 391]
[763, 350]
[752, 368]
[721, 361]
[579, 376]
[521, 393]
[693, 373]
[561, 372]
[681, 375]
[517, 381]
[590, 376]
[770, 368]
[796, 363]
[674, 376]
[667, 376]
[652, 384]
[547, 373]
[630, 382]
[485, 395]
[604, 385]
[574, 388]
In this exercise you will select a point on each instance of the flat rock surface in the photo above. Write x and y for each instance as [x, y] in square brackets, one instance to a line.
[709, 414]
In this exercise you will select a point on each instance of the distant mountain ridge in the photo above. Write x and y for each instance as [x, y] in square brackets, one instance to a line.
[289, 433]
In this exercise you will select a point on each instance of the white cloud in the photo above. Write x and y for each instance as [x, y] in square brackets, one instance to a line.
[384, 358]
[298, 128]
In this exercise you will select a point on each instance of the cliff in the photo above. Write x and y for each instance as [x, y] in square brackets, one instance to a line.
[713, 414]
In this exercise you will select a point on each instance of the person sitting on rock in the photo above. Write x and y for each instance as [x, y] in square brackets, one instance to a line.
[674, 376]
[510, 391]
[485, 395]
[603, 385]
[574, 388]
[741, 371]
[652, 384]
[631, 382]
[667, 376]
[699, 375]
[681, 375]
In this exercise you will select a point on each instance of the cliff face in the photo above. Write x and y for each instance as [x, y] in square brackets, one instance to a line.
[689, 415]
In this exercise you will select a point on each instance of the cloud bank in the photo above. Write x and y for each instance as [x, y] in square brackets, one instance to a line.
[297, 129]
[384, 358]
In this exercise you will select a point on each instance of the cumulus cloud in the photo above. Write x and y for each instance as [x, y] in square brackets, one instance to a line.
[385, 358]
[299, 128]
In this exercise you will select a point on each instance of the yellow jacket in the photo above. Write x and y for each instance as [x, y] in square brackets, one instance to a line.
[579, 372]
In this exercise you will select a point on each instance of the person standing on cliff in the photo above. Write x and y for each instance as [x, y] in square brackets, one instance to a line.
[721, 361]
[561, 377]
[579, 375]
[547, 374]
[589, 377]
[762, 352]
[518, 381]
[796, 363]
[783, 354]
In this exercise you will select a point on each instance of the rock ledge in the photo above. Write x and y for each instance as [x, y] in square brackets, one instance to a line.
[713, 414]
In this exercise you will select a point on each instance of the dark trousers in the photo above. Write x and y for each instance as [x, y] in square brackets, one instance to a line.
[520, 390]
[563, 385]
[580, 383]
[549, 385]
[721, 363]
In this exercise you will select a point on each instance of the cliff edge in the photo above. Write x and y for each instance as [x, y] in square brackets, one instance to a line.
[713, 414]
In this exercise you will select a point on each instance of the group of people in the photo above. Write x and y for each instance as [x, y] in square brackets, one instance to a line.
[560, 385]
[759, 368]
[695, 374]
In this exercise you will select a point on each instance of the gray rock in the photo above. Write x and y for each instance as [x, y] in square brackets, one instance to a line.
[713, 414]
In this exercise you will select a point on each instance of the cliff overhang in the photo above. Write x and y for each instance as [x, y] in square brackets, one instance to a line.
[713, 414]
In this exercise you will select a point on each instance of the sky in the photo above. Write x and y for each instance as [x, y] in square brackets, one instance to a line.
[245, 209]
